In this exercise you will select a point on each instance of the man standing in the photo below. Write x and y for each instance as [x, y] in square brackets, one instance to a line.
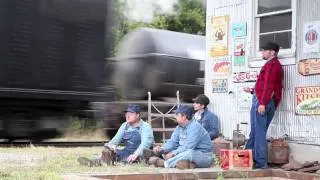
[207, 119]
[135, 134]
[189, 146]
[267, 95]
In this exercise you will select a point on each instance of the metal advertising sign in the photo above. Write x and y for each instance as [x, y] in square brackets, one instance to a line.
[220, 85]
[221, 66]
[219, 36]
[241, 77]
[311, 37]
[307, 100]
[309, 66]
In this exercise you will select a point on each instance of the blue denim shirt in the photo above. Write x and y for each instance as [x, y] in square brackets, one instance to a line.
[146, 133]
[210, 122]
[192, 136]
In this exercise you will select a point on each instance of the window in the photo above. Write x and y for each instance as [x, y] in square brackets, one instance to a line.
[275, 21]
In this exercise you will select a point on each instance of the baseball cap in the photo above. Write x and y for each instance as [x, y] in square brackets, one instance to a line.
[133, 108]
[271, 46]
[186, 110]
[201, 99]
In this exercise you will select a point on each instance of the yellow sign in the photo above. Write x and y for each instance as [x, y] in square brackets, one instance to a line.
[219, 36]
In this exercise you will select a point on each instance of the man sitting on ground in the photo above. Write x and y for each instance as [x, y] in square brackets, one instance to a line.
[207, 119]
[135, 134]
[189, 146]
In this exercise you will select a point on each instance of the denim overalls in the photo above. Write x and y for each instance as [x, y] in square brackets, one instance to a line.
[132, 140]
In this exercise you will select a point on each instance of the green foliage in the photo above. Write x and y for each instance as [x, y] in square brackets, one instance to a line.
[188, 17]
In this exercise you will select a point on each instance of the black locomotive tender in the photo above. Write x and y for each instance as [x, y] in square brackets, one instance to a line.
[53, 64]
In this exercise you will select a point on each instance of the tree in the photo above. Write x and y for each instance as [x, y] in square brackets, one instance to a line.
[188, 17]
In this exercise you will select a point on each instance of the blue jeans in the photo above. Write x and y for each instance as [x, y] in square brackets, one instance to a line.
[259, 127]
[200, 159]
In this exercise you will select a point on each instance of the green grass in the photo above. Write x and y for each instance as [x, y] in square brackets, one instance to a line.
[52, 163]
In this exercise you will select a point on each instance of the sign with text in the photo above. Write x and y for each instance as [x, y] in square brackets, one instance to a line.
[311, 37]
[219, 36]
[220, 85]
[241, 77]
[239, 29]
[221, 66]
[308, 67]
[307, 100]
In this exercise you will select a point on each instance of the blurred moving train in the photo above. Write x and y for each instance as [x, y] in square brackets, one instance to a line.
[162, 62]
[53, 64]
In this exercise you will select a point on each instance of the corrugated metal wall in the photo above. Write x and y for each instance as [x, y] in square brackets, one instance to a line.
[304, 129]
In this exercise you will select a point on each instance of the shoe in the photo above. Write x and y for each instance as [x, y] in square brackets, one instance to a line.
[147, 153]
[256, 166]
[108, 156]
[185, 164]
[89, 162]
[156, 161]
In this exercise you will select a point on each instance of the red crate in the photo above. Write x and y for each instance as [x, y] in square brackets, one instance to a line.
[236, 159]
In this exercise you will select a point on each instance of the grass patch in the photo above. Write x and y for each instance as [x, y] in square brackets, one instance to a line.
[53, 163]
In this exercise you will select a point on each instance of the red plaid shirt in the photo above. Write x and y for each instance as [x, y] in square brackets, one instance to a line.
[269, 83]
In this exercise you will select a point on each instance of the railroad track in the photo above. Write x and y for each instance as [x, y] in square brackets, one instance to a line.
[52, 144]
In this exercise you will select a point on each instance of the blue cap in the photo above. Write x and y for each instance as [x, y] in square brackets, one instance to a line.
[186, 110]
[133, 108]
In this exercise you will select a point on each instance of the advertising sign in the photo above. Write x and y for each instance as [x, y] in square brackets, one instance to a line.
[307, 100]
[221, 66]
[311, 37]
[219, 36]
[308, 67]
[239, 29]
[220, 85]
[241, 77]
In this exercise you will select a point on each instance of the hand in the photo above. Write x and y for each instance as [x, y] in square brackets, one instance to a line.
[132, 158]
[157, 149]
[169, 155]
[261, 109]
[247, 89]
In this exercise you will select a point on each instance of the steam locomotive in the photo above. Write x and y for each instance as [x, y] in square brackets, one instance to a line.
[53, 64]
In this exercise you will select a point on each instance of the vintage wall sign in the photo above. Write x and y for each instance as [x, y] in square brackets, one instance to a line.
[311, 37]
[220, 85]
[244, 99]
[219, 36]
[307, 100]
[239, 29]
[241, 77]
[309, 66]
[221, 66]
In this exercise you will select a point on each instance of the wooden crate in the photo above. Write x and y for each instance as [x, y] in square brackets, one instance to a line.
[236, 159]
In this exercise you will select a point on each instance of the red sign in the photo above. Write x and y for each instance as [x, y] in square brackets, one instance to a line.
[240, 77]
[236, 159]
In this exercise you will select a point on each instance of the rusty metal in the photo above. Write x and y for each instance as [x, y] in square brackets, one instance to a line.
[218, 144]
[279, 151]
[238, 138]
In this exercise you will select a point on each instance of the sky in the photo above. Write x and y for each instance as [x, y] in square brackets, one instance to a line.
[142, 10]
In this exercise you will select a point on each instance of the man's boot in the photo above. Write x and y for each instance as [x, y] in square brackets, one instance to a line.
[108, 156]
[156, 161]
[185, 164]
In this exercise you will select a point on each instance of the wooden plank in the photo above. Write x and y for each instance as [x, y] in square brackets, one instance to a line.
[163, 129]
